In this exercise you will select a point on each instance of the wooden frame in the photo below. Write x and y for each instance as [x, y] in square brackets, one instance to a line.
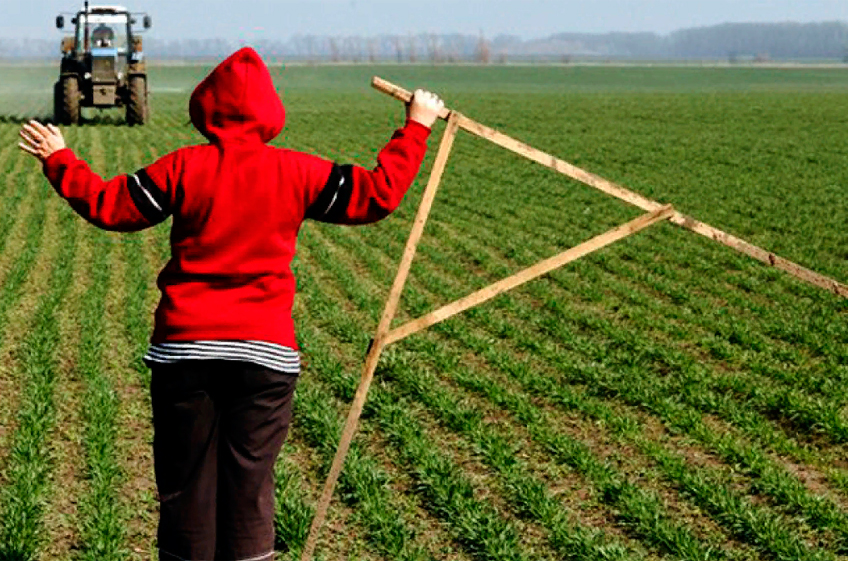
[385, 336]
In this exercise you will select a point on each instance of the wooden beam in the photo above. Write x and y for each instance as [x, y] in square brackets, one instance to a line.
[635, 199]
[348, 431]
[628, 196]
[377, 343]
[528, 274]
[401, 94]
[557, 164]
[762, 255]
[418, 224]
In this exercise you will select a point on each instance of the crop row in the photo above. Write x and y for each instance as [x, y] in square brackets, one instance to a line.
[432, 351]
[29, 464]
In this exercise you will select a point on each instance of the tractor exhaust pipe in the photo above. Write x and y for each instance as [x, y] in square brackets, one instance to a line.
[86, 38]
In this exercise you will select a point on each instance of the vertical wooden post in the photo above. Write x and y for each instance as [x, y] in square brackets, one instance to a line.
[377, 345]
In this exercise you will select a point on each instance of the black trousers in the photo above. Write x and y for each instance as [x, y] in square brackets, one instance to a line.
[218, 428]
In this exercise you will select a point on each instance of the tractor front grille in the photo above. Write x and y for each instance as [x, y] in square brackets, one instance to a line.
[103, 69]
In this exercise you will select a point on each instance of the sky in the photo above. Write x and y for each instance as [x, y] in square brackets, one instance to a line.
[251, 20]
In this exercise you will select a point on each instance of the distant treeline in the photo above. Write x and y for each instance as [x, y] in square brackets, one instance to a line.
[730, 41]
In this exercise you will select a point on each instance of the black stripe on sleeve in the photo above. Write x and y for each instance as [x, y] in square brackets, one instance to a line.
[148, 198]
[331, 204]
[158, 194]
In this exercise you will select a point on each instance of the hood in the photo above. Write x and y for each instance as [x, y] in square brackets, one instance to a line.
[237, 101]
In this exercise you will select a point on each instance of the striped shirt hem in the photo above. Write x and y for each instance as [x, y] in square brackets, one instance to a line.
[263, 353]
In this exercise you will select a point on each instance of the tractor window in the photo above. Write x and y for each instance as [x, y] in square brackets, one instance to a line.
[80, 37]
[103, 36]
[104, 32]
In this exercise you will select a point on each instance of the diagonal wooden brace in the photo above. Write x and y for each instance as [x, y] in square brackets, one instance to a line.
[528, 274]
[619, 192]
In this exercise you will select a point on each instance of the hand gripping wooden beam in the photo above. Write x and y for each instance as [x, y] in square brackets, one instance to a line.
[384, 335]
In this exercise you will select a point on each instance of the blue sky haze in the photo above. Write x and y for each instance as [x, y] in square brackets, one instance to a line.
[251, 20]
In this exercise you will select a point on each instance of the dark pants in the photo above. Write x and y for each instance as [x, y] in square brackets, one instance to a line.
[218, 428]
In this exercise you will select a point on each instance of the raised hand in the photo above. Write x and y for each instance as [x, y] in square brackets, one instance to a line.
[41, 141]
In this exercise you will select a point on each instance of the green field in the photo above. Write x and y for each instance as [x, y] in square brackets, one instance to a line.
[664, 398]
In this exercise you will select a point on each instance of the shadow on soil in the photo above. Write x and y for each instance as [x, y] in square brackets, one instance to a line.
[96, 120]
[20, 119]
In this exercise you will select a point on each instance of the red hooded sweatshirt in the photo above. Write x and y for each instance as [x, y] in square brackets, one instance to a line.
[237, 205]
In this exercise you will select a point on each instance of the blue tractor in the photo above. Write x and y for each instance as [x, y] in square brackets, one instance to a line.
[102, 65]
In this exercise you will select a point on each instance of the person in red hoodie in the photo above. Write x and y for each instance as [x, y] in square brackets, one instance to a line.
[223, 352]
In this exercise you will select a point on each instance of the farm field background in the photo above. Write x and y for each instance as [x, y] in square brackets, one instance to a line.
[664, 398]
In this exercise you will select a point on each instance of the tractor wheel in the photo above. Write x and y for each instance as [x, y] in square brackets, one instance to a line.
[137, 109]
[70, 101]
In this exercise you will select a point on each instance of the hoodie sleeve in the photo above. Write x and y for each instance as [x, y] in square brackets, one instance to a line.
[126, 203]
[355, 195]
